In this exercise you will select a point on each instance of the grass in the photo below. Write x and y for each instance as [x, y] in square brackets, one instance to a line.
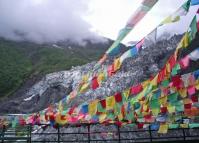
[20, 60]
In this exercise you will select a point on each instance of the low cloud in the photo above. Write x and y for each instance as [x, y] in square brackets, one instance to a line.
[45, 20]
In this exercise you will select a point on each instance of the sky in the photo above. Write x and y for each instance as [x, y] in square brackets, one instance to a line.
[54, 20]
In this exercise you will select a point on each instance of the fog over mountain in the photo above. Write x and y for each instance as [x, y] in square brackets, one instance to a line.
[45, 21]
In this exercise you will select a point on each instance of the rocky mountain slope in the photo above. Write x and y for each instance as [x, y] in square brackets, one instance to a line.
[20, 61]
[36, 94]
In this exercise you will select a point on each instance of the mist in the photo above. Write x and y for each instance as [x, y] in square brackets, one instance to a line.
[44, 21]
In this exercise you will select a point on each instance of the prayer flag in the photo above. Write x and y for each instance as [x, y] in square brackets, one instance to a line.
[163, 129]
[92, 107]
[110, 102]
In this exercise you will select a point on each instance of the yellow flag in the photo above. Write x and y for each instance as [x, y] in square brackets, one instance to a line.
[60, 107]
[117, 64]
[85, 78]
[187, 101]
[120, 117]
[145, 107]
[163, 129]
[101, 77]
[168, 68]
[178, 48]
[145, 83]
[197, 85]
[171, 109]
[92, 107]
[110, 102]
[167, 20]
[102, 117]
[154, 81]
[185, 41]
[184, 125]
[183, 92]
[59, 120]
[177, 18]
[155, 111]
[84, 87]
[163, 100]
[126, 93]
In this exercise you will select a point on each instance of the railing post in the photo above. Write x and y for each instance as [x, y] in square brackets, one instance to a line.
[30, 133]
[89, 137]
[119, 137]
[150, 134]
[58, 133]
[184, 137]
[3, 132]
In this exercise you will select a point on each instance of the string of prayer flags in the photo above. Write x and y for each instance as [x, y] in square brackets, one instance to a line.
[123, 32]
[137, 16]
[180, 12]
[114, 67]
[141, 12]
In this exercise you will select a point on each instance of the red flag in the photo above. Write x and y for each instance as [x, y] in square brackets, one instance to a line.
[110, 70]
[95, 83]
[136, 89]
[118, 97]
[194, 98]
[172, 61]
[71, 110]
[161, 75]
[163, 109]
[187, 106]
[103, 103]
[140, 125]
[177, 82]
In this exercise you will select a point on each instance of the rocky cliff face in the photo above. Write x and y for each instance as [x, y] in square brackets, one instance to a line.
[37, 93]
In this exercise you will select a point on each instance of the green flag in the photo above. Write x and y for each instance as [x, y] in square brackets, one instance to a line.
[186, 5]
[193, 28]
[173, 97]
[154, 104]
[194, 125]
[173, 126]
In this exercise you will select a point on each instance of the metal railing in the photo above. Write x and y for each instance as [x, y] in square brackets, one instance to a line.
[90, 134]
